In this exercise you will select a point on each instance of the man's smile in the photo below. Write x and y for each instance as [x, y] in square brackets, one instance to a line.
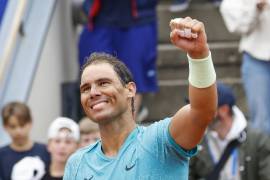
[98, 103]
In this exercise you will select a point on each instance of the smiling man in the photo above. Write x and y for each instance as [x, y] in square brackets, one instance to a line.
[161, 150]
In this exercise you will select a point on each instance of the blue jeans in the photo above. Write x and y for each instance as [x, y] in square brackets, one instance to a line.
[256, 80]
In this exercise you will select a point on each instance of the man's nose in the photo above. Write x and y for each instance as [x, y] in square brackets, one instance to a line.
[94, 91]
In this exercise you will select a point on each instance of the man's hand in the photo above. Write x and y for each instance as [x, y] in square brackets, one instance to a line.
[189, 35]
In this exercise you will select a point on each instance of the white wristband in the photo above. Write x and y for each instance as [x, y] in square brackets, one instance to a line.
[201, 72]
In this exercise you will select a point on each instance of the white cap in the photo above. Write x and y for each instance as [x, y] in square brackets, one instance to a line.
[63, 122]
[28, 168]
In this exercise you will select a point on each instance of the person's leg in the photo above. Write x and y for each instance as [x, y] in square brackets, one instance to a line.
[137, 47]
[179, 5]
[256, 81]
[98, 40]
[216, 2]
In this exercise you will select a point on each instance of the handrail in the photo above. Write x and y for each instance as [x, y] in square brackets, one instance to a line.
[10, 26]
[19, 60]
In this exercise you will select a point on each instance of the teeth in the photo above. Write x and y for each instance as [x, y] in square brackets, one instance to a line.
[98, 105]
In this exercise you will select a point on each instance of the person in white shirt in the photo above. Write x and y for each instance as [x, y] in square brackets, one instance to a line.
[251, 19]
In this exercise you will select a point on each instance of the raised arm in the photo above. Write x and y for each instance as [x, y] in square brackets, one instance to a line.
[189, 123]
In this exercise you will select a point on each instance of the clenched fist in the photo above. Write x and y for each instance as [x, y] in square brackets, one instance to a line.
[189, 35]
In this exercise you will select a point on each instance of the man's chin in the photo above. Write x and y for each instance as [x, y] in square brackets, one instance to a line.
[100, 118]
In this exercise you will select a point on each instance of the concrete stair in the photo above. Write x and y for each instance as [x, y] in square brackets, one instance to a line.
[172, 63]
[205, 12]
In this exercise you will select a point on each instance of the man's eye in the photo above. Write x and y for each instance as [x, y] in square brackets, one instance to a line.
[103, 83]
[85, 90]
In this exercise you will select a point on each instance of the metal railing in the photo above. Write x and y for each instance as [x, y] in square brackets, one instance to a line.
[9, 33]
[22, 36]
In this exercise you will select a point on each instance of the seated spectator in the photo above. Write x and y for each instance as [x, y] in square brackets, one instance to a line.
[89, 132]
[248, 151]
[17, 122]
[63, 136]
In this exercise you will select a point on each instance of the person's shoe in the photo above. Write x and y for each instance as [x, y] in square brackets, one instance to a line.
[216, 3]
[179, 5]
[142, 114]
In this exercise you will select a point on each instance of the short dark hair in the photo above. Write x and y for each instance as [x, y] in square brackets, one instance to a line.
[123, 73]
[20, 110]
[225, 95]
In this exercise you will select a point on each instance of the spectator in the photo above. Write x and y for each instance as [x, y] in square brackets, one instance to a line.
[128, 29]
[89, 132]
[161, 150]
[251, 19]
[63, 136]
[249, 159]
[17, 122]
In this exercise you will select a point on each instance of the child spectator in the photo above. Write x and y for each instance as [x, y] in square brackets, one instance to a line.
[17, 122]
[89, 132]
[63, 136]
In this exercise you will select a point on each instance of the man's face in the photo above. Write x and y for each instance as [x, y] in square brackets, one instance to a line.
[19, 133]
[218, 122]
[89, 138]
[62, 146]
[103, 97]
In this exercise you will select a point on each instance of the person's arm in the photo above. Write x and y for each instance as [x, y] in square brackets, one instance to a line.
[189, 123]
[240, 17]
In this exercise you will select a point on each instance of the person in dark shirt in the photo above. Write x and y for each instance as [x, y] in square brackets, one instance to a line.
[17, 122]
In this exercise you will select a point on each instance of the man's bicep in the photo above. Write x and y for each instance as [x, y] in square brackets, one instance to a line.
[158, 141]
[185, 129]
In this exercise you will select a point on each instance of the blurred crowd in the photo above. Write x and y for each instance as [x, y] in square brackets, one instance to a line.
[26, 159]
[233, 148]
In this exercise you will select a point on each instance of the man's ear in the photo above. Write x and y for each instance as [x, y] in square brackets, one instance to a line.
[131, 87]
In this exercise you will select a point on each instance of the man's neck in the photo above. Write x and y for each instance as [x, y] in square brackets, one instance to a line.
[57, 169]
[114, 134]
[27, 145]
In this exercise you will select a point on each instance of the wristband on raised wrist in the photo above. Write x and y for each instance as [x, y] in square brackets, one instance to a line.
[201, 72]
